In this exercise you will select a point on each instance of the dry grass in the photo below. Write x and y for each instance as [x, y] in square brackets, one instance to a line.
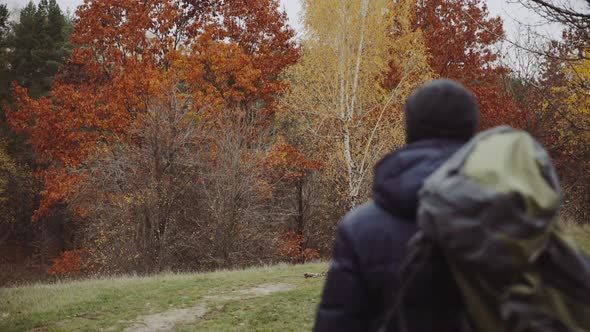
[116, 303]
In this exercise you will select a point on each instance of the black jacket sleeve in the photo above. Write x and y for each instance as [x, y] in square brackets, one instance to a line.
[344, 304]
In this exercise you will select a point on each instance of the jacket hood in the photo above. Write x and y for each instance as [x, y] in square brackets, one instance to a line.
[400, 175]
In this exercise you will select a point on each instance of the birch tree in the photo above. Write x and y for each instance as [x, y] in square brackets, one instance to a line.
[341, 102]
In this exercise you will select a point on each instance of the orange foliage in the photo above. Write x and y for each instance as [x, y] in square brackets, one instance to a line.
[224, 54]
[70, 263]
[285, 163]
[292, 247]
[460, 35]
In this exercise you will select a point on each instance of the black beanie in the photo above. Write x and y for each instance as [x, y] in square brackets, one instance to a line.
[441, 109]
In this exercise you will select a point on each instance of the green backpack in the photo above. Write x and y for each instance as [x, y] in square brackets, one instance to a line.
[492, 211]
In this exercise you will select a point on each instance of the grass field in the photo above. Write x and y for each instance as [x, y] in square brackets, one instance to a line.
[276, 298]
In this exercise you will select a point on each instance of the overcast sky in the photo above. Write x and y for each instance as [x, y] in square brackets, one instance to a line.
[510, 11]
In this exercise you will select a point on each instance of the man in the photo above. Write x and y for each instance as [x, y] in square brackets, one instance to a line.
[371, 240]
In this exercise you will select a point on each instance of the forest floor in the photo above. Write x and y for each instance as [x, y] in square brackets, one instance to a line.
[275, 298]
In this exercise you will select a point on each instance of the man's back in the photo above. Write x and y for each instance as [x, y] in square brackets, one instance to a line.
[371, 242]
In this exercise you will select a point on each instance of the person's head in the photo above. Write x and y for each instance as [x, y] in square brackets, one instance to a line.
[441, 109]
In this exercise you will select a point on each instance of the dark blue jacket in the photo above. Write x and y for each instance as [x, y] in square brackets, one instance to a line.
[370, 243]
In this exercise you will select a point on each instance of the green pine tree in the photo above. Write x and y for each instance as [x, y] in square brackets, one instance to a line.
[32, 50]
[4, 29]
[38, 46]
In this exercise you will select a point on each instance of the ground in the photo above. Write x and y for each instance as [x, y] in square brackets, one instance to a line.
[276, 298]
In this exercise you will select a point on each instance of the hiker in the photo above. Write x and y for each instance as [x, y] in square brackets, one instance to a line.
[483, 249]
[371, 240]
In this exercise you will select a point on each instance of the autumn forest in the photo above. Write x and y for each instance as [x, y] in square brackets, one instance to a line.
[192, 135]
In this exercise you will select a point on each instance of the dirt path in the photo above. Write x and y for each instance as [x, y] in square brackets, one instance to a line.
[167, 320]
[266, 289]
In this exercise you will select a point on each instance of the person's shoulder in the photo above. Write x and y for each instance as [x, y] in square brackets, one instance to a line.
[377, 236]
[368, 219]
[359, 216]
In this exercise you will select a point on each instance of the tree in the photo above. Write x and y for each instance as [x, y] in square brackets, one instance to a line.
[575, 18]
[460, 37]
[123, 51]
[136, 196]
[3, 34]
[114, 130]
[290, 172]
[562, 120]
[558, 98]
[349, 117]
[16, 202]
[4, 29]
[553, 91]
[32, 47]
[38, 46]
[240, 228]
